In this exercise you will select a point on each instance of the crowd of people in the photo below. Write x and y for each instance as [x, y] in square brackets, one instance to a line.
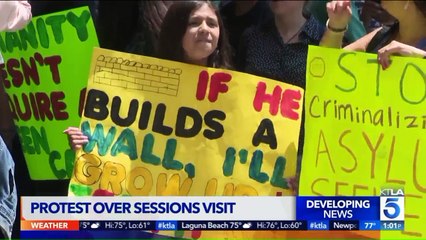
[265, 38]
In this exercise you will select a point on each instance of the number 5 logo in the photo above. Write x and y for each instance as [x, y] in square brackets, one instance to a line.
[392, 208]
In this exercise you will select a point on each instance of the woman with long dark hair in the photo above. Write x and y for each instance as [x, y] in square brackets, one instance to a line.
[193, 32]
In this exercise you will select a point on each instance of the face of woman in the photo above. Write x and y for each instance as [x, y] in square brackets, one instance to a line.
[201, 36]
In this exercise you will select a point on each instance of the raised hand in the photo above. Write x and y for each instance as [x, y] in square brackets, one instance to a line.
[339, 14]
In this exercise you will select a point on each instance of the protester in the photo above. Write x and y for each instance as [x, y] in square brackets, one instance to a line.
[406, 37]
[8, 196]
[278, 50]
[14, 15]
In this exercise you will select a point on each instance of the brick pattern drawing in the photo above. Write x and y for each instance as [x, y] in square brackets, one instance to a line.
[135, 75]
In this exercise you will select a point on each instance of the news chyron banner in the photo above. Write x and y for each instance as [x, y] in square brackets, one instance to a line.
[163, 128]
[140, 217]
[44, 74]
[365, 131]
[220, 216]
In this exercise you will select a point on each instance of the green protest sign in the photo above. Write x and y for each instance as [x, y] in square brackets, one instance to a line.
[44, 74]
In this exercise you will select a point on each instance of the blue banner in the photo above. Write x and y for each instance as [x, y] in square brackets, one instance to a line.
[338, 208]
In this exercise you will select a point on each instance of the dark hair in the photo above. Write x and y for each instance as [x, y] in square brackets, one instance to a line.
[421, 5]
[174, 27]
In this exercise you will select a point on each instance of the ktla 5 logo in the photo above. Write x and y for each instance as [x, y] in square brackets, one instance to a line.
[392, 208]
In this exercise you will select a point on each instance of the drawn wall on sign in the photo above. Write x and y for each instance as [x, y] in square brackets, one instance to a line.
[128, 74]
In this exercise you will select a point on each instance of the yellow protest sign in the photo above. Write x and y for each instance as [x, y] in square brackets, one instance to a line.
[365, 130]
[159, 127]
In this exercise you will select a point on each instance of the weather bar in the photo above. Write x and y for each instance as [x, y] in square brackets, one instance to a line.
[193, 225]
